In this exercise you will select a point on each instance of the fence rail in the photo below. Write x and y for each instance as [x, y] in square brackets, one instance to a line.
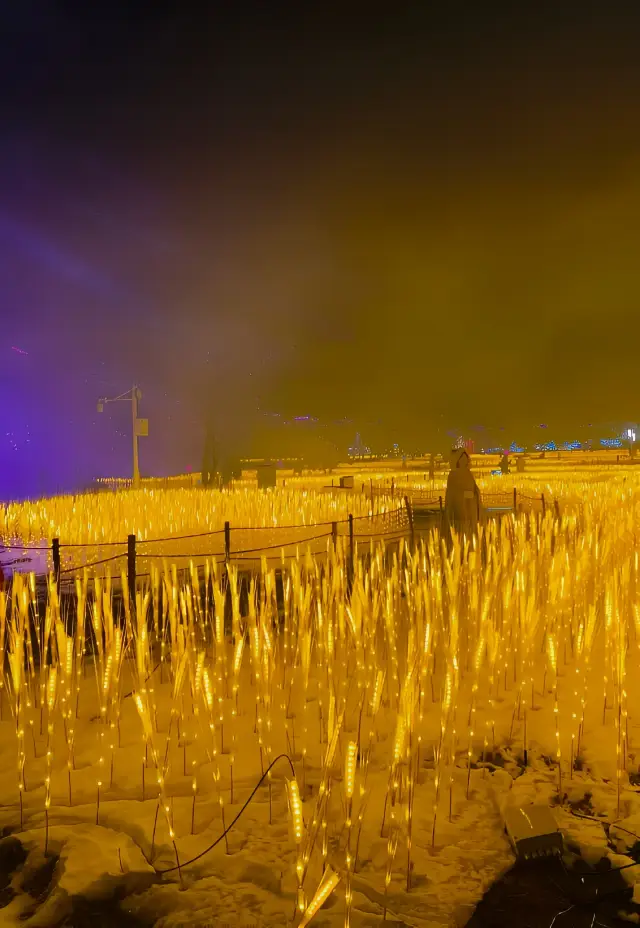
[505, 501]
[247, 545]
[242, 545]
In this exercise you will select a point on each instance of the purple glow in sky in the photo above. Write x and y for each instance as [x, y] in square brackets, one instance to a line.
[407, 222]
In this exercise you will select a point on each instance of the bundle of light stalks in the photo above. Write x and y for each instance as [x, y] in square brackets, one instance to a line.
[452, 576]
[211, 748]
[445, 734]
[110, 648]
[586, 637]
[479, 657]
[16, 665]
[349, 787]
[30, 638]
[618, 581]
[65, 657]
[526, 645]
[299, 834]
[327, 885]
[552, 652]
[142, 660]
[52, 614]
[410, 711]
[319, 820]
[196, 670]
[237, 666]
[52, 693]
[220, 669]
[80, 636]
[142, 705]
[177, 688]
[493, 647]
[4, 609]
[266, 656]
[376, 700]
[392, 847]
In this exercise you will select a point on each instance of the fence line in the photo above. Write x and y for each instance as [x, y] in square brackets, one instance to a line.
[396, 523]
[135, 549]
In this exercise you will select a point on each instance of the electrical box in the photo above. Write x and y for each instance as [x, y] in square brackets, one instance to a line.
[533, 831]
[346, 482]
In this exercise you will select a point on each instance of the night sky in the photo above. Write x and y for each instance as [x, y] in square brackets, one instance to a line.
[424, 222]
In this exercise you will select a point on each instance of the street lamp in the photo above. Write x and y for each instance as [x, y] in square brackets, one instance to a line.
[140, 426]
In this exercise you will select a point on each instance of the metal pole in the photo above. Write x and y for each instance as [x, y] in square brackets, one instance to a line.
[131, 568]
[55, 552]
[134, 414]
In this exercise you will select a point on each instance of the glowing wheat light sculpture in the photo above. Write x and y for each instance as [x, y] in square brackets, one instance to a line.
[299, 834]
[52, 691]
[327, 885]
[16, 662]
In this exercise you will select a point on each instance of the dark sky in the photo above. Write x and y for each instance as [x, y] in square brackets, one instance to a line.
[422, 222]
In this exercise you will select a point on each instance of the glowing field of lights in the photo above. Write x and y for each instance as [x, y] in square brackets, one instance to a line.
[94, 518]
[183, 523]
[412, 690]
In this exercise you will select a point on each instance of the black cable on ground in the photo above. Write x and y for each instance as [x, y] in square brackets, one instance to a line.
[229, 827]
[127, 695]
[610, 825]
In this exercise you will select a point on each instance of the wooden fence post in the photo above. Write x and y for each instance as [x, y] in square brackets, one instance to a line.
[544, 508]
[515, 500]
[227, 541]
[55, 552]
[334, 533]
[131, 568]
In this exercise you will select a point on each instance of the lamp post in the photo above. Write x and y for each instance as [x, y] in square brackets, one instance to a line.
[140, 427]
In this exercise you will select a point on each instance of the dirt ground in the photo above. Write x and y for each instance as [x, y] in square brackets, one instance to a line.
[542, 894]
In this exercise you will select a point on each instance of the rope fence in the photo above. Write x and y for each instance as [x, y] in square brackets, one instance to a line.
[392, 524]
[141, 553]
